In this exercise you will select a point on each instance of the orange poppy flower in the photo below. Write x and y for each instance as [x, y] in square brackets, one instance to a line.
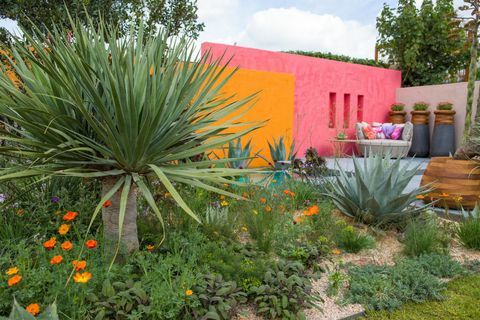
[151, 71]
[70, 216]
[313, 210]
[79, 265]
[188, 292]
[56, 260]
[90, 244]
[336, 252]
[107, 204]
[63, 229]
[444, 195]
[12, 271]
[33, 309]
[268, 208]
[14, 280]
[67, 245]
[289, 193]
[263, 200]
[50, 244]
[82, 277]
[420, 197]
[150, 247]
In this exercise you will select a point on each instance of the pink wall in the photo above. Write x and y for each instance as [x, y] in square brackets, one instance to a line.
[317, 83]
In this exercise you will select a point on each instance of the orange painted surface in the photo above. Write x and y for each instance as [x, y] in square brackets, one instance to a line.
[275, 102]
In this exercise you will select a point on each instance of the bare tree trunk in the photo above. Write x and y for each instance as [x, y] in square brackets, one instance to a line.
[110, 216]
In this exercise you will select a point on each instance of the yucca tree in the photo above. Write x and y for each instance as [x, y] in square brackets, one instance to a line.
[119, 110]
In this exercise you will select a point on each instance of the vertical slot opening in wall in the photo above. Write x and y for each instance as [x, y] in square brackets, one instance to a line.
[360, 103]
[332, 107]
[346, 110]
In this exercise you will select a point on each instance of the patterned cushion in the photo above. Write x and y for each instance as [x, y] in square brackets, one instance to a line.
[369, 133]
[407, 131]
[387, 129]
[397, 133]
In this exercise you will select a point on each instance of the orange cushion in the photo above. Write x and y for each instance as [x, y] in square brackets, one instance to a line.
[369, 133]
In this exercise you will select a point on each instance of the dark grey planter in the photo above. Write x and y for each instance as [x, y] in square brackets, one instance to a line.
[443, 140]
[420, 141]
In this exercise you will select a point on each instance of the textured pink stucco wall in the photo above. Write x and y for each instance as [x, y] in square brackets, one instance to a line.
[315, 81]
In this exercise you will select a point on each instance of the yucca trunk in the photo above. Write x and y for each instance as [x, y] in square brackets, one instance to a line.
[110, 216]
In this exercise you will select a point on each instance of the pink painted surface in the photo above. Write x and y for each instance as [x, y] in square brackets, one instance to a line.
[322, 89]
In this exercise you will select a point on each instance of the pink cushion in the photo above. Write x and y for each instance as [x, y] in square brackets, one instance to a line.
[379, 132]
[397, 133]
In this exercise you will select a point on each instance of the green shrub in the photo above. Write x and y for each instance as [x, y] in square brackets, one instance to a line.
[389, 287]
[420, 106]
[445, 106]
[286, 290]
[219, 299]
[119, 299]
[397, 107]
[424, 236]
[375, 192]
[220, 221]
[352, 241]
[304, 253]
[469, 229]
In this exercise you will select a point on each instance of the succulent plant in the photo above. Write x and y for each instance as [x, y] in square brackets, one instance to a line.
[278, 150]
[420, 106]
[445, 106]
[375, 192]
[397, 106]
[239, 155]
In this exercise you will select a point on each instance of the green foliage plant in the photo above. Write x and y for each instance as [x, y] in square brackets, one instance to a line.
[389, 287]
[96, 108]
[286, 290]
[461, 303]
[19, 313]
[375, 193]
[353, 241]
[469, 229]
[342, 58]
[397, 106]
[424, 236]
[219, 299]
[444, 106]
[420, 106]
[426, 42]
[116, 299]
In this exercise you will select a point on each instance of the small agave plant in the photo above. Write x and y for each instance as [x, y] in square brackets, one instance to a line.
[279, 153]
[239, 156]
[375, 192]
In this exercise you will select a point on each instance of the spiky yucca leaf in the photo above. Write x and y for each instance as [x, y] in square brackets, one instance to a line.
[100, 106]
[375, 192]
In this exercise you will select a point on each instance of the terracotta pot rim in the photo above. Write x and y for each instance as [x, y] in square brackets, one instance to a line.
[420, 112]
[444, 111]
[398, 112]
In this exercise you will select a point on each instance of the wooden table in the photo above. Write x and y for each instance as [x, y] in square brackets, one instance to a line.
[339, 147]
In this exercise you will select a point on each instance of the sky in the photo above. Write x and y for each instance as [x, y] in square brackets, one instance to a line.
[337, 26]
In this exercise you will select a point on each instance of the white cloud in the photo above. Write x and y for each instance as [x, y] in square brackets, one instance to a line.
[294, 29]
[213, 9]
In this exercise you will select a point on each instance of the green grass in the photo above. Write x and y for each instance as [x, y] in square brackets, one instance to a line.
[461, 303]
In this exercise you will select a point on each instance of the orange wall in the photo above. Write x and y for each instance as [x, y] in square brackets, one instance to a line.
[275, 102]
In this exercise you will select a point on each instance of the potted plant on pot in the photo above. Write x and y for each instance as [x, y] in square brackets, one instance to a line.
[397, 113]
[421, 132]
[457, 179]
[443, 139]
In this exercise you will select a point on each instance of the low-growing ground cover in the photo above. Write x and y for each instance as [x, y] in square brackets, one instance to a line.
[461, 302]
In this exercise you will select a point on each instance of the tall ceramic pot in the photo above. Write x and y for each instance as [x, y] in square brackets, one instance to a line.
[421, 134]
[443, 140]
[397, 117]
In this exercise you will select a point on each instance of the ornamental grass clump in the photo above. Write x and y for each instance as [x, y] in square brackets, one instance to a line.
[374, 193]
[469, 229]
[122, 110]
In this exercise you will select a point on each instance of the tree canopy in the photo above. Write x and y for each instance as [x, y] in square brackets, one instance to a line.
[428, 43]
[178, 16]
